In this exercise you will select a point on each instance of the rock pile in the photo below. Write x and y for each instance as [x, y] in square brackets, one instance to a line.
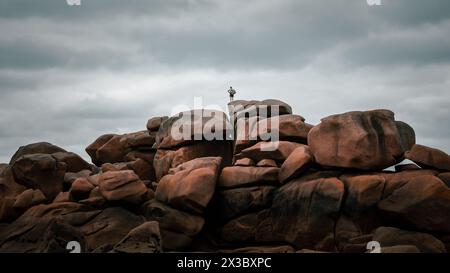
[198, 181]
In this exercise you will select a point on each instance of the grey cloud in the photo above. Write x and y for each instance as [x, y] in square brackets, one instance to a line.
[225, 35]
[410, 13]
[60, 10]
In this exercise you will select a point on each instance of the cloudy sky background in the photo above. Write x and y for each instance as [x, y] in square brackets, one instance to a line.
[69, 74]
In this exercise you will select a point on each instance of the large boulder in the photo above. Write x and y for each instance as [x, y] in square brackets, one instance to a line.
[138, 140]
[237, 176]
[36, 148]
[397, 180]
[81, 188]
[112, 148]
[295, 164]
[172, 219]
[191, 185]
[267, 108]
[142, 168]
[276, 150]
[40, 171]
[122, 186]
[74, 163]
[420, 202]
[92, 149]
[137, 154]
[429, 157]
[195, 125]
[363, 192]
[236, 202]
[154, 123]
[361, 140]
[167, 159]
[407, 134]
[285, 127]
[112, 151]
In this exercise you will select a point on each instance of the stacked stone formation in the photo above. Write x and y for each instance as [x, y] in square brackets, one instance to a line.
[187, 170]
[317, 188]
[246, 189]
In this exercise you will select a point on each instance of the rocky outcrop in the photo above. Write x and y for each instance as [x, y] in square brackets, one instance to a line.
[262, 181]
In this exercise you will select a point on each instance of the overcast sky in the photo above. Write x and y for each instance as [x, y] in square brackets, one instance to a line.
[69, 74]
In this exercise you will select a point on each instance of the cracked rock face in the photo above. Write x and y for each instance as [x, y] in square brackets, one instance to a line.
[321, 188]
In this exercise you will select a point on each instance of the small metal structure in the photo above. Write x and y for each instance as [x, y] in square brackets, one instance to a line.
[232, 92]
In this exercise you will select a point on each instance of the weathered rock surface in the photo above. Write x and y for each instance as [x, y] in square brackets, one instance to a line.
[122, 186]
[277, 150]
[295, 164]
[235, 202]
[81, 188]
[145, 238]
[236, 176]
[40, 171]
[28, 199]
[36, 148]
[172, 219]
[302, 214]
[429, 157]
[287, 127]
[154, 123]
[362, 140]
[108, 228]
[422, 202]
[166, 159]
[191, 185]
